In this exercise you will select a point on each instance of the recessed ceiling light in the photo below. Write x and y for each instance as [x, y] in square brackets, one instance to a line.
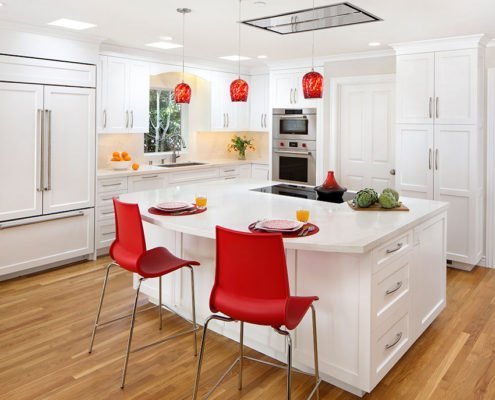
[164, 45]
[235, 58]
[374, 44]
[1, 4]
[71, 24]
[165, 38]
[261, 57]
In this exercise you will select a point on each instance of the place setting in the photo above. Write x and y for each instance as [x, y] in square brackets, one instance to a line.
[181, 208]
[300, 227]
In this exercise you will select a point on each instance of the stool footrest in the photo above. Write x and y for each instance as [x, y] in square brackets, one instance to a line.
[164, 340]
[125, 316]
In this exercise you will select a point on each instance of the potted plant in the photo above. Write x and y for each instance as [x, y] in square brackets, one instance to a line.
[240, 145]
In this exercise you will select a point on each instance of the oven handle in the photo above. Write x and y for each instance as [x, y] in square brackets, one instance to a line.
[302, 153]
[293, 117]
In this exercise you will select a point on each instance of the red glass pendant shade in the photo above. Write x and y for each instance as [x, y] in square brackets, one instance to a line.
[312, 85]
[239, 90]
[182, 93]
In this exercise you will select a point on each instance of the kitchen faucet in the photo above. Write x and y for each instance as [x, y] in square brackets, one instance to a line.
[177, 144]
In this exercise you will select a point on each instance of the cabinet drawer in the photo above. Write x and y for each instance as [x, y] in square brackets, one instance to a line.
[105, 213]
[145, 182]
[196, 175]
[105, 199]
[105, 234]
[390, 346]
[392, 250]
[390, 289]
[229, 171]
[112, 184]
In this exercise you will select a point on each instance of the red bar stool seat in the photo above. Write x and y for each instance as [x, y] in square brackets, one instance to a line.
[129, 252]
[252, 286]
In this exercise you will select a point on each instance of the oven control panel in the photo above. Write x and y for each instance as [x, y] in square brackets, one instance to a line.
[302, 145]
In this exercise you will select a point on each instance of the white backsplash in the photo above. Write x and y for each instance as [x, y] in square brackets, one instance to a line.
[132, 143]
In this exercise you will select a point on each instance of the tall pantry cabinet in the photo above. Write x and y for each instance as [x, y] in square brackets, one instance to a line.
[440, 124]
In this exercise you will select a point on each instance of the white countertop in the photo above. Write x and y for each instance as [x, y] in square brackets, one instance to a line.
[231, 204]
[150, 169]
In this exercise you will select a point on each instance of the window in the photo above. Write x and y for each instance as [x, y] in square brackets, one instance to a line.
[166, 119]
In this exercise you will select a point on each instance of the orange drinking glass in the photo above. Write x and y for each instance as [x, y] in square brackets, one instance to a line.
[302, 215]
[201, 200]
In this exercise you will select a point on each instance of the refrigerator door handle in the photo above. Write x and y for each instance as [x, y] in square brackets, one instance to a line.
[48, 161]
[29, 221]
[40, 122]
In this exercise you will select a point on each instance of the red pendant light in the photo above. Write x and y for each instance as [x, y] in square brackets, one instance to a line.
[182, 92]
[312, 82]
[239, 88]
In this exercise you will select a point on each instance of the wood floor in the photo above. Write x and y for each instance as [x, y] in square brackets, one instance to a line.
[45, 323]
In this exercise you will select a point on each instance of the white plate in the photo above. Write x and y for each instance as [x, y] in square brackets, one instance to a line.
[172, 206]
[280, 225]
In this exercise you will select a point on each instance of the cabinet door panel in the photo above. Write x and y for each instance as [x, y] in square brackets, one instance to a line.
[258, 99]
[415, 161]
[71, 154]
[456, 87]
[415, 88]
[139, 96]
[283, 89]
[219, 106]
[20, 150]
[115, 81]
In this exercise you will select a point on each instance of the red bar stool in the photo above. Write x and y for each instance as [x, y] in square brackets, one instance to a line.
[129, 252]
[253, 286]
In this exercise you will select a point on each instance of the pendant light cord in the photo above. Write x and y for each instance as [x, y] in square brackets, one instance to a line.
[183, 41]
[239, 38]
[313, 45]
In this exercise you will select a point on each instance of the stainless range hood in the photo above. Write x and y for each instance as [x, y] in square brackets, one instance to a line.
[324, 17]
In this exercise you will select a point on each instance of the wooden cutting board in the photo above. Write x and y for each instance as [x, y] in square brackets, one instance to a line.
[376, 207]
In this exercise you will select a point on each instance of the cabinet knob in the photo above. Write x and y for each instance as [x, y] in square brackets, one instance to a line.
[392, 171]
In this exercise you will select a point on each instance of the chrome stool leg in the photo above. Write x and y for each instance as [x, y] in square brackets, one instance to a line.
[98, 312]
[315, 349]
[193, 300]
[131, 331]
[289, 366]
[160, 300]
[241, 354]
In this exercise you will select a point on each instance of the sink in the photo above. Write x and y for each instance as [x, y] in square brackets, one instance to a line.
[184, 164]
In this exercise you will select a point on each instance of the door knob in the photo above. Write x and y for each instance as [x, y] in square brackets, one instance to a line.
[392, 171]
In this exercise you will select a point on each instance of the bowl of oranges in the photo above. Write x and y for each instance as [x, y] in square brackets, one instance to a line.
[120, 161]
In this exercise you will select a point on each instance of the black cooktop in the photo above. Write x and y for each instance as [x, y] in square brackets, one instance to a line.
[302, 192]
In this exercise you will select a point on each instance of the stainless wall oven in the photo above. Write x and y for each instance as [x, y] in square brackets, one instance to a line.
[294, 161]
[294, 124]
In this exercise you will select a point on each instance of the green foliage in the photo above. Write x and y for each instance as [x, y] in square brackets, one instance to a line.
[240, 145]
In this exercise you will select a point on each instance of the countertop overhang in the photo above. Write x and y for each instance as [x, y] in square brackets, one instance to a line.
[234, 205]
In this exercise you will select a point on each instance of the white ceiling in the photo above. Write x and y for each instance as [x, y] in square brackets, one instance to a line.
[211, 29]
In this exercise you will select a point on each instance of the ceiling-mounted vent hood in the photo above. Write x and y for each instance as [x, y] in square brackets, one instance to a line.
[330, 16]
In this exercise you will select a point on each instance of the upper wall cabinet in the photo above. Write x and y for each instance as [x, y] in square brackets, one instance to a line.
[259, 90]
[287, 91]
[123, 104]
[227, 115]
[438, 87]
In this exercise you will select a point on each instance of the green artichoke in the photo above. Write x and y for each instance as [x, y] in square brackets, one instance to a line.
[393, 191]
[387, 200]
[365, 198]
[373, 193]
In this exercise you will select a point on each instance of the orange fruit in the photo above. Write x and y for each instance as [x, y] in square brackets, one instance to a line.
[127, 158]
[116, 158]
[135, 166]
[124, 154]
[115, 154]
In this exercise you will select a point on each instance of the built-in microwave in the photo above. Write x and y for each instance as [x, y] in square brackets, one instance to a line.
[294, 124]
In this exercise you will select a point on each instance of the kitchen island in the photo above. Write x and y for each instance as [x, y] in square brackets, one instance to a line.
[380, 276]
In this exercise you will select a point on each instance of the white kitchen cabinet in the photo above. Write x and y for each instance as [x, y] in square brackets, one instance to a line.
[38, 241]
[440, 103]
[227, 115]
[124, 96]
[259, 103]
[70, 149]
[20, 155]
[145, 182]
[260, 172]
[287, 90]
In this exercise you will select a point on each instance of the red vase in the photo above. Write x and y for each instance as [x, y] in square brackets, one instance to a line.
[182, 93]
[239, 90]
[330, 190]
[331, 182]
[312, 84]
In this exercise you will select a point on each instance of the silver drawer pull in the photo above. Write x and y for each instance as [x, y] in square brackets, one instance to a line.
[108, 233]
[28, 221]
[397, 286]
[397, 339]
[230, 177]
[149, 177]
[399, 246]
[111, 184]
[107, 213]
[109, 198]
[229, 170]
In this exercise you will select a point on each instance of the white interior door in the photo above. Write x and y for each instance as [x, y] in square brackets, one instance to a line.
[20, 150]
[415, 161]
[70, 144]
[415, 88]
[367, 135]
